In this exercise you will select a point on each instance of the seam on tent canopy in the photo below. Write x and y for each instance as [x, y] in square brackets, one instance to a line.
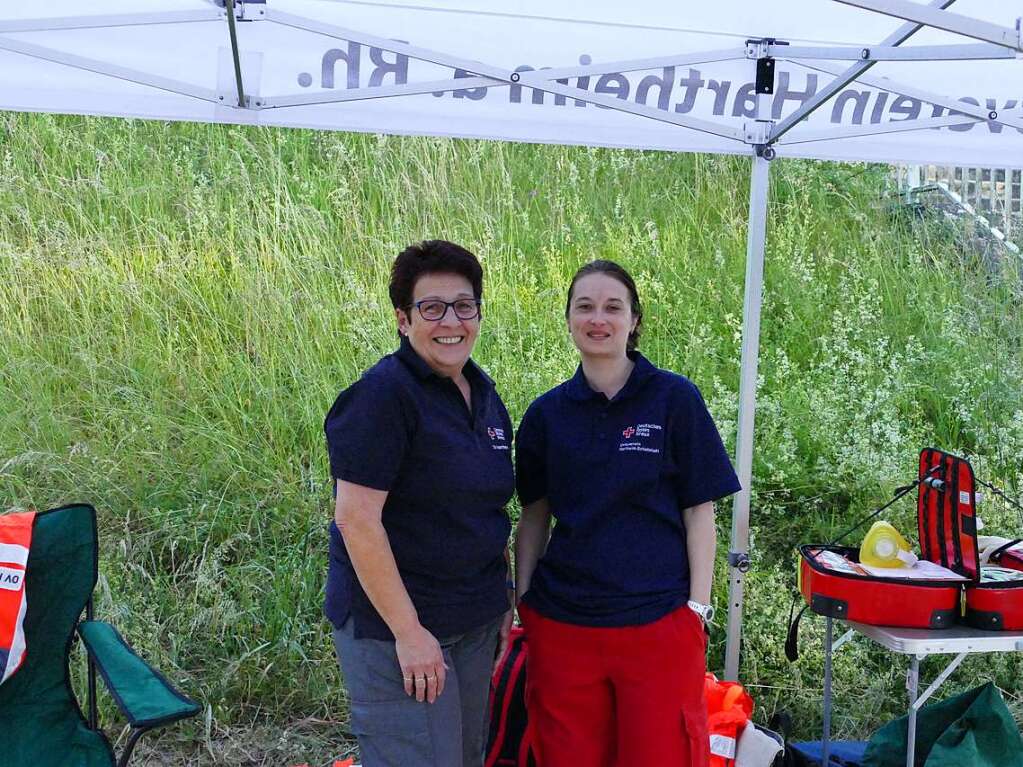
[938, 18]
[569, 20]
[55, 23]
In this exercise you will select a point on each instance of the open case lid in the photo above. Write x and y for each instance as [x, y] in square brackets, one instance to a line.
[947, 512]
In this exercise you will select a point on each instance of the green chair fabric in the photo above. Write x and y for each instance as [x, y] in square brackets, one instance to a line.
[143, 695]
[973, 729]
[41, 723]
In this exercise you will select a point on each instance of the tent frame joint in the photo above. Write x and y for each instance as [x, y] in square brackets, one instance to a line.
[760, 47]
[758, 134]
[760, 50]
[740, 560]
[245, 10]
[765, 76]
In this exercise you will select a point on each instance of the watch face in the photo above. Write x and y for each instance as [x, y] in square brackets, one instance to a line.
[706, 612]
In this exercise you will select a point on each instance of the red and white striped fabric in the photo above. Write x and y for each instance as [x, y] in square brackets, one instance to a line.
[15, 541]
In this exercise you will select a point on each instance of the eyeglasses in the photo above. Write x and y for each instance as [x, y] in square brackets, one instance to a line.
[433, 310]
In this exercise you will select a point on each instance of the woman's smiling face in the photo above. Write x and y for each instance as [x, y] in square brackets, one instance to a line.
[444, 344]
[600, 316]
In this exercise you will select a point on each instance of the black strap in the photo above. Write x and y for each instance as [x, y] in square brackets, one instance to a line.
[792, 640]
[960, 564]
[899, 493]
[939, 503]
[995, 491]
[924, 511]
[996, 555]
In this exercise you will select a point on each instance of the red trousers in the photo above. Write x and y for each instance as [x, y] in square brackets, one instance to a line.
[610, 697]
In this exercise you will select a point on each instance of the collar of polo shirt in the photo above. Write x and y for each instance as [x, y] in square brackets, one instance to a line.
[422, 370]
[579, 388]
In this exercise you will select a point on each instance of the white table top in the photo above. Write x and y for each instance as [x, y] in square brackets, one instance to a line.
[957, 639]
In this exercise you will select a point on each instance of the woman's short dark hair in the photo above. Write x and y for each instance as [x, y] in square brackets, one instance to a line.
[611, 269]
[432, 257]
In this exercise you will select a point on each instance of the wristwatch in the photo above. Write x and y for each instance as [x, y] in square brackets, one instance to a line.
[706, 612]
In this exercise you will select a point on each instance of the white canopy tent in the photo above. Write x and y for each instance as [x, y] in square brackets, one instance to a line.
[803, 78]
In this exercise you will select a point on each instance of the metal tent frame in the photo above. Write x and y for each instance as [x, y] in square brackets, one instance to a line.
[238, 90]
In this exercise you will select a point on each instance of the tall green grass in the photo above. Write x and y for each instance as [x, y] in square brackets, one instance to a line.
[179, 304]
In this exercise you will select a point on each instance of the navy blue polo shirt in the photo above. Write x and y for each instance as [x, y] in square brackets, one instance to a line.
[448, 473]
[617, 474]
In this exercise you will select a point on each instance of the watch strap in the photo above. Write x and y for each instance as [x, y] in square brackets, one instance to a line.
[706, 612]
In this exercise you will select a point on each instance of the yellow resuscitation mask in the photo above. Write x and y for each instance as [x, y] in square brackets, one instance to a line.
[883, 546]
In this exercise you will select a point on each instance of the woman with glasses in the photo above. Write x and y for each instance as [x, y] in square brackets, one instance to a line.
[417, 588]
[627, 459]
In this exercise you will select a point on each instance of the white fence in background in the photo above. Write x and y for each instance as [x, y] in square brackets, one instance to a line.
[993, 194]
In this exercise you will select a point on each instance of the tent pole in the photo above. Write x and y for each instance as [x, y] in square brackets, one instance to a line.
[738, 553]
[234, 53]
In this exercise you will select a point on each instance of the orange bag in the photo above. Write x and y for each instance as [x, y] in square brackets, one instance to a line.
[729, 708]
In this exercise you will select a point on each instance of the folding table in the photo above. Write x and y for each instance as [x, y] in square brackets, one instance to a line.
[917, 644]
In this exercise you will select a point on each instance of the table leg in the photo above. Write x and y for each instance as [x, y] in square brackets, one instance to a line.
[825, 739]
[912, 683]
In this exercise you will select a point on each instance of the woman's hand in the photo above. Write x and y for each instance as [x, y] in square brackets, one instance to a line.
[422, 663]
[503, 635]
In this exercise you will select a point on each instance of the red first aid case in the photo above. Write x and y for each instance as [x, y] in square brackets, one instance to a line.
[1009, 556]
[996, 602]
[834, 583]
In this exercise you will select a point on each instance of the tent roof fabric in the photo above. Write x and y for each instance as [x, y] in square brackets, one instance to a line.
[396, 67]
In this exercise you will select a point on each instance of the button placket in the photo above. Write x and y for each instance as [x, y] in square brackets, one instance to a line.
[605, 426]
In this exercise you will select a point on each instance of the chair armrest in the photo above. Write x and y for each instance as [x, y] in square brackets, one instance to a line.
[144, 696]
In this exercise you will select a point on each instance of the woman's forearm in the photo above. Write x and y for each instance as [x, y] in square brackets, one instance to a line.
[370, 552]
[701, 543]
[531, 535]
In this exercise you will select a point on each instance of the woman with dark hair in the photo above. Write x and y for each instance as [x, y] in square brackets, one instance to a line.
[417, 588]
[614, 601]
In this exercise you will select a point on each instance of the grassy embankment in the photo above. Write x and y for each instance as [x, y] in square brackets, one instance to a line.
[179, 304]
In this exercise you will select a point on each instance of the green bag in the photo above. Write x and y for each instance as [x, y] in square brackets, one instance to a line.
[973, 729]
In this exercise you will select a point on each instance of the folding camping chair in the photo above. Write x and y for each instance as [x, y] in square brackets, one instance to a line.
[41, 723]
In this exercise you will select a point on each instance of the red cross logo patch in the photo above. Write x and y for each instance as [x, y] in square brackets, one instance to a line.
[629, 431]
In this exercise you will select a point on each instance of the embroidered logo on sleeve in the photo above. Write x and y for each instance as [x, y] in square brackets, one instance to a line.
[636, 439]
[497, 440]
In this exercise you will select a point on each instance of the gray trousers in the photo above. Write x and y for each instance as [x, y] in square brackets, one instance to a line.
[394, 729]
